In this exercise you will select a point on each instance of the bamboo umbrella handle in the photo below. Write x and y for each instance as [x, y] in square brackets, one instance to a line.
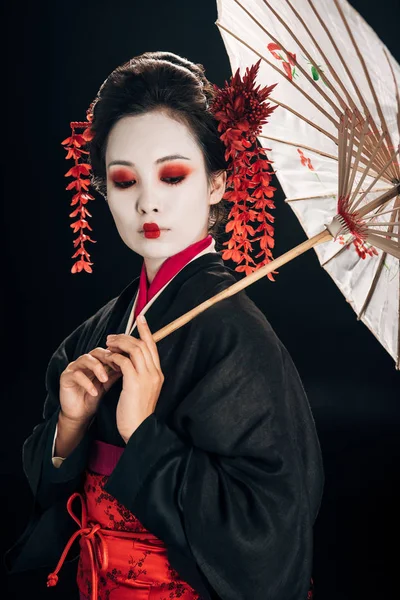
[320, 238]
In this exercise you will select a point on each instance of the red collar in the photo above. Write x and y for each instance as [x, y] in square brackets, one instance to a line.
[166, 272]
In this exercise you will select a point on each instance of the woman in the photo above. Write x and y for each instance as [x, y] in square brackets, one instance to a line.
[196, 460]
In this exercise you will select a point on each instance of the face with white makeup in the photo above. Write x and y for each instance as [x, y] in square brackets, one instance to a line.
[148, 183]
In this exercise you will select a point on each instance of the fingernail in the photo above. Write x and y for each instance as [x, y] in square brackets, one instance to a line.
[142, 318]
[111, 337]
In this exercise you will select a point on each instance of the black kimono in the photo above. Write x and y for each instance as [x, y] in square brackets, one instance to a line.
[227, 471]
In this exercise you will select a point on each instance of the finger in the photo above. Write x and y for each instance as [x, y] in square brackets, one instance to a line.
[124, 363]
[94, 365]
[84, 381]
[102, 354]
[137, 352]
[146, 336]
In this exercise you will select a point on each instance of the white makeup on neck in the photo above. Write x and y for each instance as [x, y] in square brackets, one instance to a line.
[143, 186]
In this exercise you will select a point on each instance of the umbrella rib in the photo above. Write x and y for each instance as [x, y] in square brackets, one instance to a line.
[395, 189]
[326, 154]
[389, 142]
[313, 83]
[333, 194]
[342, 158]
[381, 213]
[372, 286]
[347, 185]
[338, 97]
[310, 79]
[388, 246]
[348, 148]
[302, 118]
[311, 100]
[380, 201]
[344, 64]
[358, 157]
[381, 140]
[380, 224]
[323, 55]
[344, 247]
[339, 54]
[384, 233]
[396, 89]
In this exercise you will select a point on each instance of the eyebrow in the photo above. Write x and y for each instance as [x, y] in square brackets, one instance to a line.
[158, 161]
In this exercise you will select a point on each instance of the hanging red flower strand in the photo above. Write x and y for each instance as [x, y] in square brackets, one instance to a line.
[80, 171]
[241, 111]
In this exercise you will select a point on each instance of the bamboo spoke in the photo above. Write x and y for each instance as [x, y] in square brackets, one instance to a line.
[303, 71]
[282, 73]
[333, 194]
[395, 172]
[388, 246]
[358, 157]
[310, 149]
[388, 196]
[348, 72]
[396, 89]
[323, 55]
[340, 250]
[303, 118]
[386, 212]
[380, 224]
[384, 234]
[310, 58]
[322, 75]
[366, 172]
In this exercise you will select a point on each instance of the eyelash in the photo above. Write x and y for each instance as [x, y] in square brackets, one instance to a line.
[125, 184]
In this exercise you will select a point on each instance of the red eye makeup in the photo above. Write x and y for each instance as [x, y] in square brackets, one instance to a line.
[176, 170]
[121, 175]
[172, 174]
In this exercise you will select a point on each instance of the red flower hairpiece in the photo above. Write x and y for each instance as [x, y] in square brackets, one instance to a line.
[241, 111]
[74, 146]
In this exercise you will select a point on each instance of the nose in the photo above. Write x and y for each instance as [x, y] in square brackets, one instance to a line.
[147, 202]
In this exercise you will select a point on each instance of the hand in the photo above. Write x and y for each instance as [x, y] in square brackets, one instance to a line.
[84, 382]
[142, 377]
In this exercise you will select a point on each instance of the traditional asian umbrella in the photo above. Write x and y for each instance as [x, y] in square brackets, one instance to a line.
[334, 144]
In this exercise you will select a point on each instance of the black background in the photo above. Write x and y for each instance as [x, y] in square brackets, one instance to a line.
[57, 55]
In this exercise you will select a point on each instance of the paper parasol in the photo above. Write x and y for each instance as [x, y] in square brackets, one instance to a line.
[335, 145]
[334, 142]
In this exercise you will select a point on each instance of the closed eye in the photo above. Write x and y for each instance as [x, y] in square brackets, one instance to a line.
[170, 180]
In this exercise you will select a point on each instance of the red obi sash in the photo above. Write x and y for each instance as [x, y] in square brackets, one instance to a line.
[119, 558]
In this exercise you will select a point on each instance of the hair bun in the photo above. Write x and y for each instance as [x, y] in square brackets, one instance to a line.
[196, 69]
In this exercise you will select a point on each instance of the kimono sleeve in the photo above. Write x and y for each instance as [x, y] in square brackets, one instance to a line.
[241, 489]
[47, 482]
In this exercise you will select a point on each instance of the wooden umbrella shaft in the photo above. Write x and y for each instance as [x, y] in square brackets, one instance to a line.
[320, 238]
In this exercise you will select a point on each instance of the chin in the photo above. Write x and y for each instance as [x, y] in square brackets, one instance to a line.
[155, 248]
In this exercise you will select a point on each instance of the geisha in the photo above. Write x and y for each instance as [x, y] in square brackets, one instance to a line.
[190, 468]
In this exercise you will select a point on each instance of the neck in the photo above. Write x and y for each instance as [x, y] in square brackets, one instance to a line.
[152, 267]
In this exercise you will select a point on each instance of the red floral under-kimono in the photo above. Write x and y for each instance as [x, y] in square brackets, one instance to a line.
[119, 558]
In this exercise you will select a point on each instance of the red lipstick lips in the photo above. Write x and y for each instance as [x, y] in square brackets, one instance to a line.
[151, 230]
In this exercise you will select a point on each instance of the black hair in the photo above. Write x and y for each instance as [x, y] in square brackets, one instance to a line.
[159, 81]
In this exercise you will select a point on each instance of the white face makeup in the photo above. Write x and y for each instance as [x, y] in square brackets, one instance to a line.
[145, 187]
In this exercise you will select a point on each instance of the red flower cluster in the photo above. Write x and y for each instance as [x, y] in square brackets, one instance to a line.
[74, 149]
[241, 111]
